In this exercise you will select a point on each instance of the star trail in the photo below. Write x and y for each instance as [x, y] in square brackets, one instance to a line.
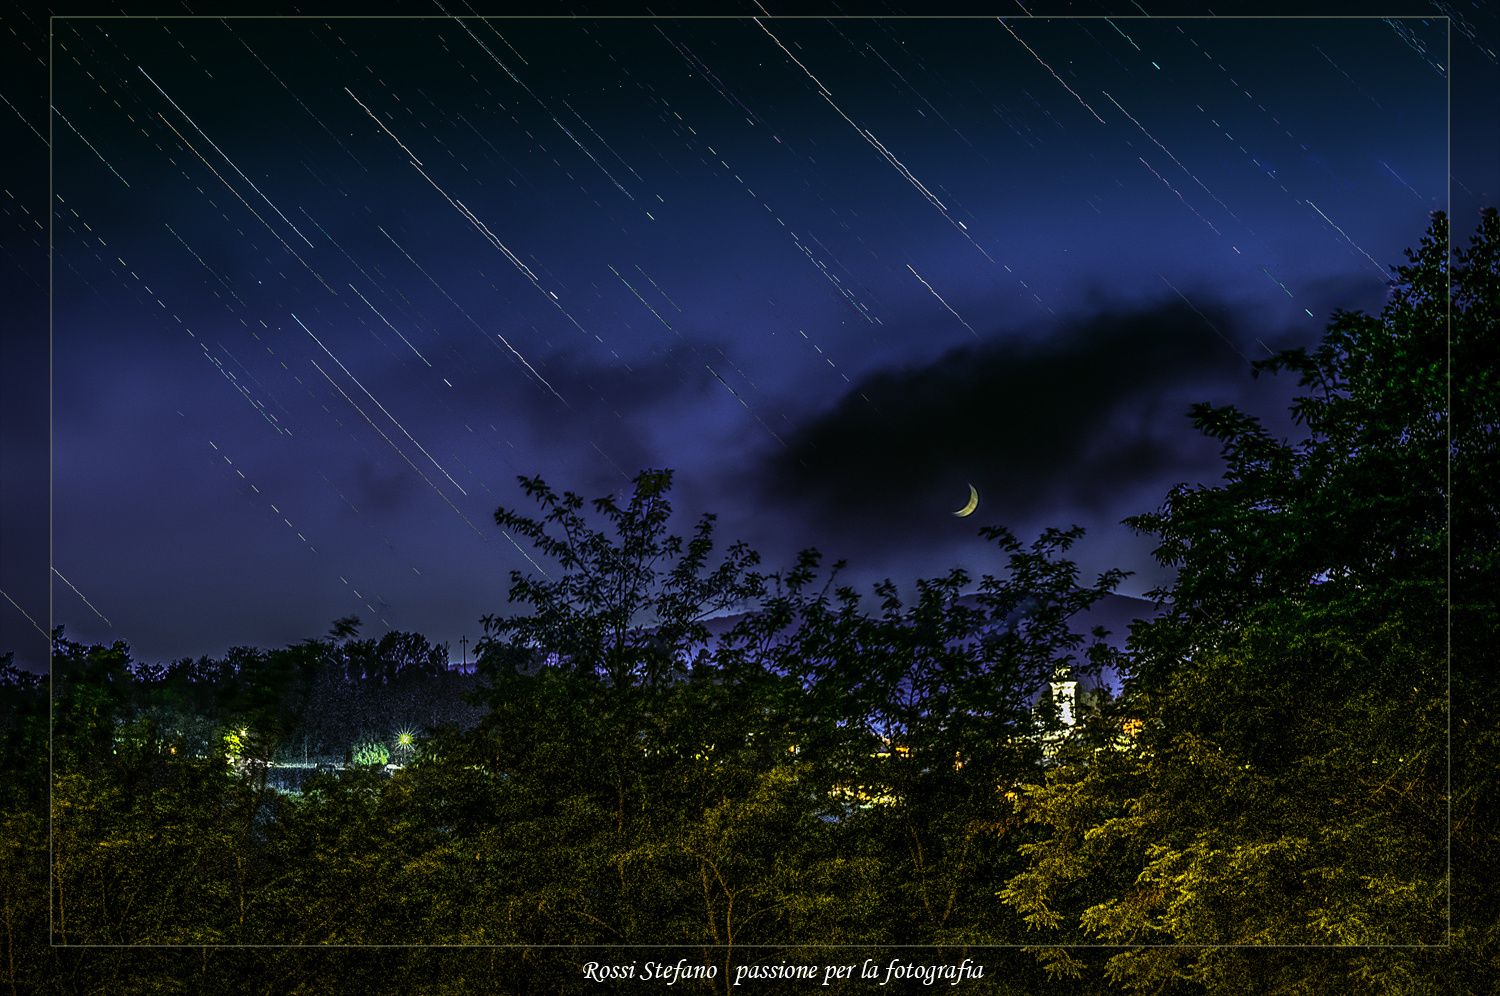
[831, 271]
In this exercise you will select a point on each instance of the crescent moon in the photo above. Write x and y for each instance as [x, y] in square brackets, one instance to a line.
[971, 506]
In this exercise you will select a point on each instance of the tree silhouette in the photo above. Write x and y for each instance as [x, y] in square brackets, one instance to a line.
[1286, 780]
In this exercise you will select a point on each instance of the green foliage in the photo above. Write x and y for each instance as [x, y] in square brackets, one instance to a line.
[620, 607]
[648, 786]
[370, 752]
[1353, 519]
[1285, 776]
[624, 745]
[23, 740]
[1275, 774]
[927, 725]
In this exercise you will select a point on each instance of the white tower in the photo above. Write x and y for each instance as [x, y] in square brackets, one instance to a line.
[1064, 691]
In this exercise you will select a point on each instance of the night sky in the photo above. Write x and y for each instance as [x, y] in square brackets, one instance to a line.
[323, 288]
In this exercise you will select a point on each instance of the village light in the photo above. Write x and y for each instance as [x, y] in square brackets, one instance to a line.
[405, 746]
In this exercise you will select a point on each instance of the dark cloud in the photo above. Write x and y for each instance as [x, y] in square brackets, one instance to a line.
[611, 399]
[380, 491]
[1072, 420]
